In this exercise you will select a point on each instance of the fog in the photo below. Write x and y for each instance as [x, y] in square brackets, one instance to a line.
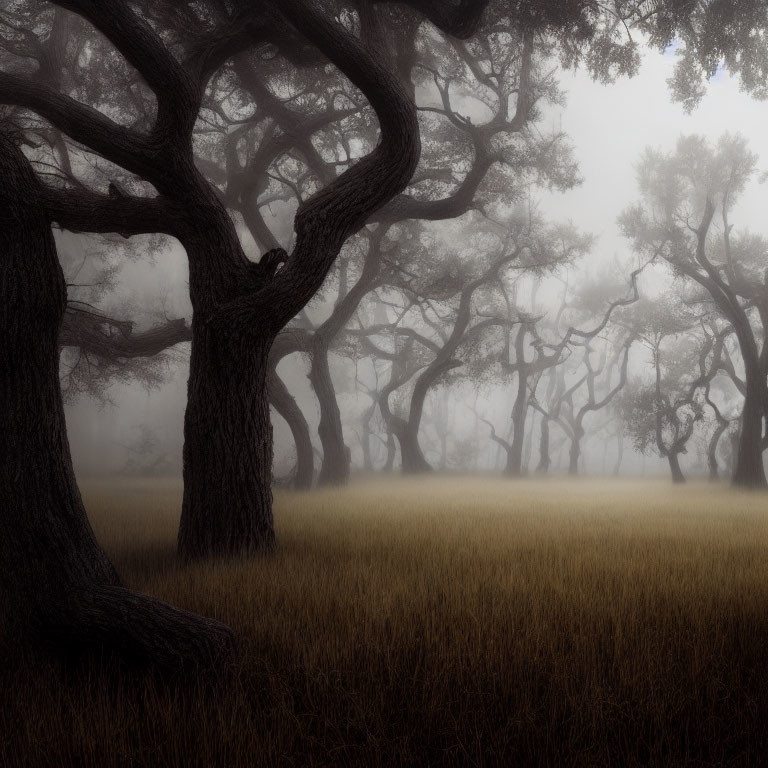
[383, 382]
[608, 126]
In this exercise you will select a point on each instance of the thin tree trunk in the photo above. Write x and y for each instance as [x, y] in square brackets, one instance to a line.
[674, 467]
[714, 467]
[520, 408]
[391, 451]
[574, 455]
[366, 437]
[365, 444]
[412, 457]
[519, 411]
[58, 586]
[544, 460]
[285, 404]
[336, 455]
[749, 472]
[528, 449]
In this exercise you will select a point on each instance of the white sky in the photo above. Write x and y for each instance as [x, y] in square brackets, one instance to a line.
[610, 126]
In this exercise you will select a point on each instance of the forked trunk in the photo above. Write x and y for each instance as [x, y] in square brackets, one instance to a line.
[58, 586]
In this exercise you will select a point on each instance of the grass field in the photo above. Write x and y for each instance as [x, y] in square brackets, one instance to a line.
[457, 621]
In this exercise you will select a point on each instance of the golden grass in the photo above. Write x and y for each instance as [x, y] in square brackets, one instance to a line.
[462, 621]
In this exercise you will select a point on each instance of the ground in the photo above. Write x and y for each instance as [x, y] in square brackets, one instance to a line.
[448, 621]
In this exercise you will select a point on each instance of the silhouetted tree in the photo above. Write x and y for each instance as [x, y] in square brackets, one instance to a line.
[58, 585]
[239, 306]
[683, 191]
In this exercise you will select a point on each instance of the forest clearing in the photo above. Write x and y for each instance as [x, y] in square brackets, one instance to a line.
[414, 622]
[383, 383]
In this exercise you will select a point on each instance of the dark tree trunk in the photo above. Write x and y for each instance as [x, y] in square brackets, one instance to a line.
[519, 410]
[411, 456]
[674, 467]
[749, 472]
[544, 459]
[574, 455]
[227, 506]
[714, 467]
[389, 464]
[58, 586]
[285, 404]
[336, 455]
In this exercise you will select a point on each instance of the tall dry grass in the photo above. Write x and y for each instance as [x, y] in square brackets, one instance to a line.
[450, 621]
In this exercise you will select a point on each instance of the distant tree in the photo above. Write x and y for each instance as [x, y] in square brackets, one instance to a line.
[454, 306]
[709, 36]
[466, 162]
[685, 193]
[686, 357]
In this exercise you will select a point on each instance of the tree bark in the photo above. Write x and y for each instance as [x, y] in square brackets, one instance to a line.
[411, 456]
[336, 455]
[389, 463]
[59, 588]
[575, 452]
[285, 404]
[227, 507]
[749, 472]
[519, 411]
[674, 467]
[544, 459]
[714, 441]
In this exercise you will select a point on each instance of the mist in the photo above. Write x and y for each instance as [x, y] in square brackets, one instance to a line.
[383, 383]
[608, 126]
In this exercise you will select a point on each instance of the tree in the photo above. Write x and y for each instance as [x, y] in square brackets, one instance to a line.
[59, 587]
[453, 306]
[709, 36]
[464, 158]
[239, 306]
[683, 191]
